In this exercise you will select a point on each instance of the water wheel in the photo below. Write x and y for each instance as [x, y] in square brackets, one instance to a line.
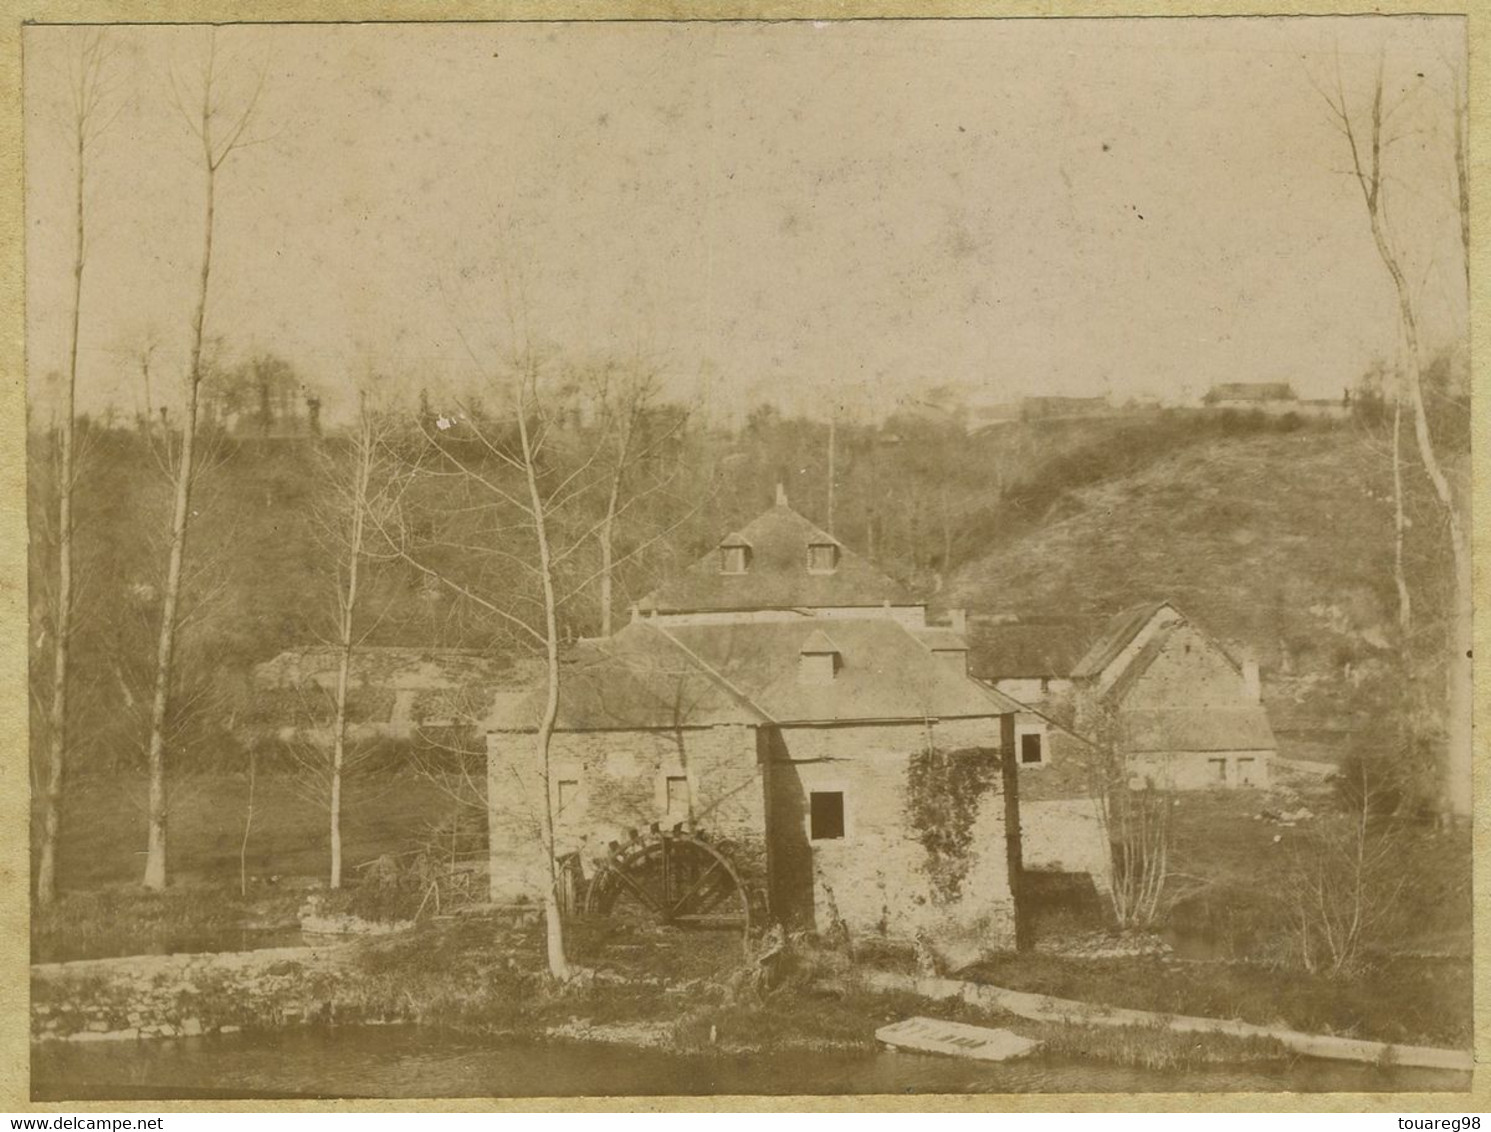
[677, 878]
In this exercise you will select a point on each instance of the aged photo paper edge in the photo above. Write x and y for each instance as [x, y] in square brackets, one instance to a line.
[14, 793]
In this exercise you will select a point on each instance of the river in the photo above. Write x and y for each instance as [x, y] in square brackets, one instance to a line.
[410, 1061]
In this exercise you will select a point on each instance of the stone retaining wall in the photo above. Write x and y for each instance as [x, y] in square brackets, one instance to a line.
[145, 996]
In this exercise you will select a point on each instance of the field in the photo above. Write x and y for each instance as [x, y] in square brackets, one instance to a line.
[103, 841]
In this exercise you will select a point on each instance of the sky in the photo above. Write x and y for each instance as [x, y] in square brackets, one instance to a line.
[819, 214]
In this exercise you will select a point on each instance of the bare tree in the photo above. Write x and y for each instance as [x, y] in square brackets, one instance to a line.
[220, 133]
[538, 513]
[503, 553]
[360, 487]
[1342, 885]
[89, 118]
[631, 405]
[1366, 144]
[1136, 821]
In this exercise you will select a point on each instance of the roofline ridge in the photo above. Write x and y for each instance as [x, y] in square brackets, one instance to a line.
[1153, 605]
[710, 671]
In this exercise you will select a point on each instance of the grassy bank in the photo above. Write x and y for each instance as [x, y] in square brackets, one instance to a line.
[690, 992]
[1402, 1001]
[131, 921]
[1225, 857]
[103, 831]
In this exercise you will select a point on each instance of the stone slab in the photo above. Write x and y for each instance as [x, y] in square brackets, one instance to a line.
[956, 1039]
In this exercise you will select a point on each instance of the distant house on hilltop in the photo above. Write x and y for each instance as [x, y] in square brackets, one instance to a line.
[1250, 395]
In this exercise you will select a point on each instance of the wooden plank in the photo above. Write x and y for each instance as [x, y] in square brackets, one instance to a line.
[956, 1039]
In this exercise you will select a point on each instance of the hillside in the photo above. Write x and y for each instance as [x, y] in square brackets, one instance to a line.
[1279, 544]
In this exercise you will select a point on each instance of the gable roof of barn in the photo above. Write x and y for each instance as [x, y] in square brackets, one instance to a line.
[652, 675]
[777, 574]
[1121, 629]
[1243, 727]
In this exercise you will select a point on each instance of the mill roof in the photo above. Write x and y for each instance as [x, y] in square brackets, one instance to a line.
[776, 575]
[655, 675]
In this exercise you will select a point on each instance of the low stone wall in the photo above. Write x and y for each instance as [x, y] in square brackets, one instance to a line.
[145, 996]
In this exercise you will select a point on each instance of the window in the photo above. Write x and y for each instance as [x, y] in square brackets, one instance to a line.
[1031, 748]
[817, 667]
[732, 560]
[568, 793]
[826, 815]
[1217, 769]
[823, 558]
[1245, 772]
[676, 796]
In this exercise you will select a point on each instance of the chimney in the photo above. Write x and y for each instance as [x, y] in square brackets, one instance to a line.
[636, 613]
[781, 495]
[1252, 681]
[956, 659]
[957, 620]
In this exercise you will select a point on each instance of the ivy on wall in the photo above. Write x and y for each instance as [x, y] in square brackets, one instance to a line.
[944, 790]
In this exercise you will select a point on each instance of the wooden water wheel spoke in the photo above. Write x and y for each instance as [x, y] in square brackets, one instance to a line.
[641, 893]
[698, 886]
[678, 879]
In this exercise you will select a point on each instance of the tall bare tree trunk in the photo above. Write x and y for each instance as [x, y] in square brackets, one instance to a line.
[46, 872]
[553, 923]
[213, 155]
[155, 853]
[1458, 674]
[1456, 770]
[248, 825]
[345, 635]
[1400, 526]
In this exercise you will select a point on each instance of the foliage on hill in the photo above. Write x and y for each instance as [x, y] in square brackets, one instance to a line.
[1280, 544]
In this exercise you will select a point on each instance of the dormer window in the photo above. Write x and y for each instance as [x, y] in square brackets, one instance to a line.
[819, 660]
[735, 555]
[823, 558]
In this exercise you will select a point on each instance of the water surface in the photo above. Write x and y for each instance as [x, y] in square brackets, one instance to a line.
[410, 1061]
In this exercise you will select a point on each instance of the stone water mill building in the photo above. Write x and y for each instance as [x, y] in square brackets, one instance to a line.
[778, 734]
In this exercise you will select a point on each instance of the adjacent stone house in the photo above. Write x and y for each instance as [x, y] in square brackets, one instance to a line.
[1184, 713]
[792, 701]
[1150, 684]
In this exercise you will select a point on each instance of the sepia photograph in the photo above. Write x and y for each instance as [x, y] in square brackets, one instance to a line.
[740, 558]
